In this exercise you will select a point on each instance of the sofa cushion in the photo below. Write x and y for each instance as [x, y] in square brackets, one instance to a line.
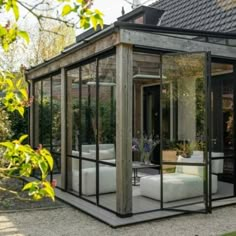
[191, 170]
[105, 146]
[176, 186]
[107, 180]
[103, 154]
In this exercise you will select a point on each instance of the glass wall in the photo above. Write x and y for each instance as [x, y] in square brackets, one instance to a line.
[72, 133]
[222, 107]
[146, 128]
[184, 125]
[91, 122]
[47, 123]
[107, 131]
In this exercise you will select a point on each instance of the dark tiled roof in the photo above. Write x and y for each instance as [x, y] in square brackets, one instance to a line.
[210, 15]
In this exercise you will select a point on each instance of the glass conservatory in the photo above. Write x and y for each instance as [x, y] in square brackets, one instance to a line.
[140, 121]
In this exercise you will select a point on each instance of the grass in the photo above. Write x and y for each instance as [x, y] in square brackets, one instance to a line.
[230, 234]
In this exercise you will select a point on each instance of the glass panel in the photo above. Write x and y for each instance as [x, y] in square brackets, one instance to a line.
[73, 173]
[107, 131]
[107, 185]
[73, 132]
[45, 116]
[37, 118]
[56, 127]
[37, 110]
[146, 100]
[146, 128]
[222, 128]
[183, 185]
[56, 113]
[88, 130]
[183, 124]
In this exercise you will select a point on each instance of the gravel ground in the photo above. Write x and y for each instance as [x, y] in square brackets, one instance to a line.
[71, 222]
[9, 202]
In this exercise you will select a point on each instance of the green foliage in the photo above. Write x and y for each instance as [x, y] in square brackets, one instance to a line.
[21, 160]
[14, 90]
[82, 9]
[19, 124]
[5, 125]
[10, 32]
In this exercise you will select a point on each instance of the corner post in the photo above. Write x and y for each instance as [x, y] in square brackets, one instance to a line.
[124, 98]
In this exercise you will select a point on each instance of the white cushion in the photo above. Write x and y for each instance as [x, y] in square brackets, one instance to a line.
[191, 170]
[197, 157]
[176, 186]
[85, 164]
[107, 180]
[103, 154]
[87, 147]
[197, 153]
[217, 165]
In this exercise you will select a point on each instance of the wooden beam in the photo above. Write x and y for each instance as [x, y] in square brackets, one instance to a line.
[124, 76]
[82, 52]
[171, 42]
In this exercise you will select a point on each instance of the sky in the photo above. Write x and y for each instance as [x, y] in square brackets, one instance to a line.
[112, 8]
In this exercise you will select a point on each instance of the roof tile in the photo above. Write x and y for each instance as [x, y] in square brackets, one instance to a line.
[213, 15]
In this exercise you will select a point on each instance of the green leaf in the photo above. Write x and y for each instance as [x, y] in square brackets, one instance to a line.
[23, 137]
[24, 93]
[15, 10]
[6, 144]
[10, 83]
[46, 154]
[66, 10]
[44, 168]
[18, 84]
[94, 22]
[49, 190]
[21, 110]
[24, 35]
[28, 186]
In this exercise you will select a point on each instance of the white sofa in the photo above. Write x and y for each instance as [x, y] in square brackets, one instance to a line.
[106, 152]
[186, 182]
[107, 174]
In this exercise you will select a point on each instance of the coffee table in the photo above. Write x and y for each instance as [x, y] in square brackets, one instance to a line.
[137, 165]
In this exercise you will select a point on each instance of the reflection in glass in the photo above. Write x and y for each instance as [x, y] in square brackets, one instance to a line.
[56, 113]
[45, 116]
[183, 129]
[37, 110]
[107, 131]
[88, 128]
[183, 99]
[73, 145]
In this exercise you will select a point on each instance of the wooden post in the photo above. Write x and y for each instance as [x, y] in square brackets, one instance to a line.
[63, 128]
[124, 100]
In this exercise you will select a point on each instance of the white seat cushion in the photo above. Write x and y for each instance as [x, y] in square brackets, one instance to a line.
[176, 186]
[107, 180]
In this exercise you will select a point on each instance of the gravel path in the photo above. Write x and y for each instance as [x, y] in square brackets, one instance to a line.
[71, 222]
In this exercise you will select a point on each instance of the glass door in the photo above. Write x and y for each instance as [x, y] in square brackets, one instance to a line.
[222, 107]
[184, 160]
